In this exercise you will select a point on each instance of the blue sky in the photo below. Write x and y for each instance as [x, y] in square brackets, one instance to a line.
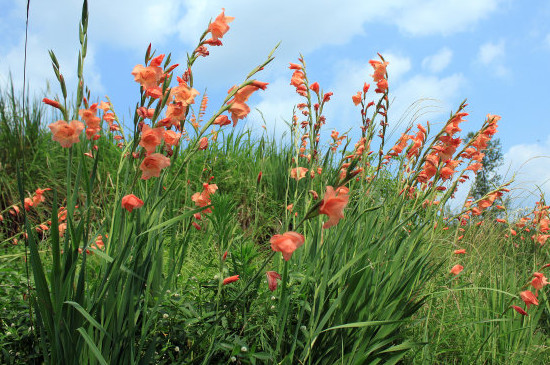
[495, 53]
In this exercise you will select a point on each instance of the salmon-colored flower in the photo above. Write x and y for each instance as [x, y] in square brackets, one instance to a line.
[461, 251]
[230, 279]
[131, 202]
[65, 133]
[203, 143]
[379, 70]
[457, 269]
[272, 277]
[62, 228]
[222, 120]
[298, 173]
[28, 204]
[171, 138]
[286, 243]
[333, 205]
[519, 310]
[219, 26]
[183, 94]
[238, 110]
[151, 138]
[152, 165]
[528, 298]
[148, 77]
[356, 98]
[539, 282]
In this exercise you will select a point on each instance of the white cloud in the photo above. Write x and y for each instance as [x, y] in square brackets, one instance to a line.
[492, 56]
[439, 61]
[490, 53]
[547, 40]
[422, 18]
[529, 163]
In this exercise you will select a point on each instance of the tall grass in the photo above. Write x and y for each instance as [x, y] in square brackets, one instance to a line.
[114, 286]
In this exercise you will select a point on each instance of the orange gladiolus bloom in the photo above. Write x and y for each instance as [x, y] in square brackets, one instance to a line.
[28, 204]
[238, 110]
[356, 98]
[272, 277]
[230, 279]
[539, 282]
[219, 26]
[298, 173]
[65, 133]
[130, 202]
[461, 251]
[457, 269]
[333, 205]
[286, 243]
[171, 138]
[152, 165]
[151, 138]
[528, 298]
[148, 77]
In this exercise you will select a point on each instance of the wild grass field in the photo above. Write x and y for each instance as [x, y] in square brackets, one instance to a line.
[177, 237]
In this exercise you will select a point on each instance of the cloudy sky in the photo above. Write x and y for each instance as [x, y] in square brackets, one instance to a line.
[495, 53]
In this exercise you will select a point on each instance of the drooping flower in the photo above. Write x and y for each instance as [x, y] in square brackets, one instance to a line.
[152, 165]
[457, 269]
[230, 279]
[528, 298]
[131, 202]
[272, 277]
[333, 205]
[286, 243]
[219, 26]
[519, 310]
[238, 110]
[65, 133]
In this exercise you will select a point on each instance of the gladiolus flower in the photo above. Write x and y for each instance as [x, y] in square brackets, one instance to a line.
[197, 227]
[519, 310]
[356, 98]
[461, 251]
[203, 143]
[539, 281]
[152, 165]
[230, 279]
[65, 133]
[238, 110]
[28, 204]
[151, 138]
[219, 26]
[130, 202]
[171, 138]
[224, 256]
[298, 173]
[286, 243]
[333, 205]
[222, 120]
[314, 87]
[272, 277]
[148, 77]
[528, 298]
[457, 269]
